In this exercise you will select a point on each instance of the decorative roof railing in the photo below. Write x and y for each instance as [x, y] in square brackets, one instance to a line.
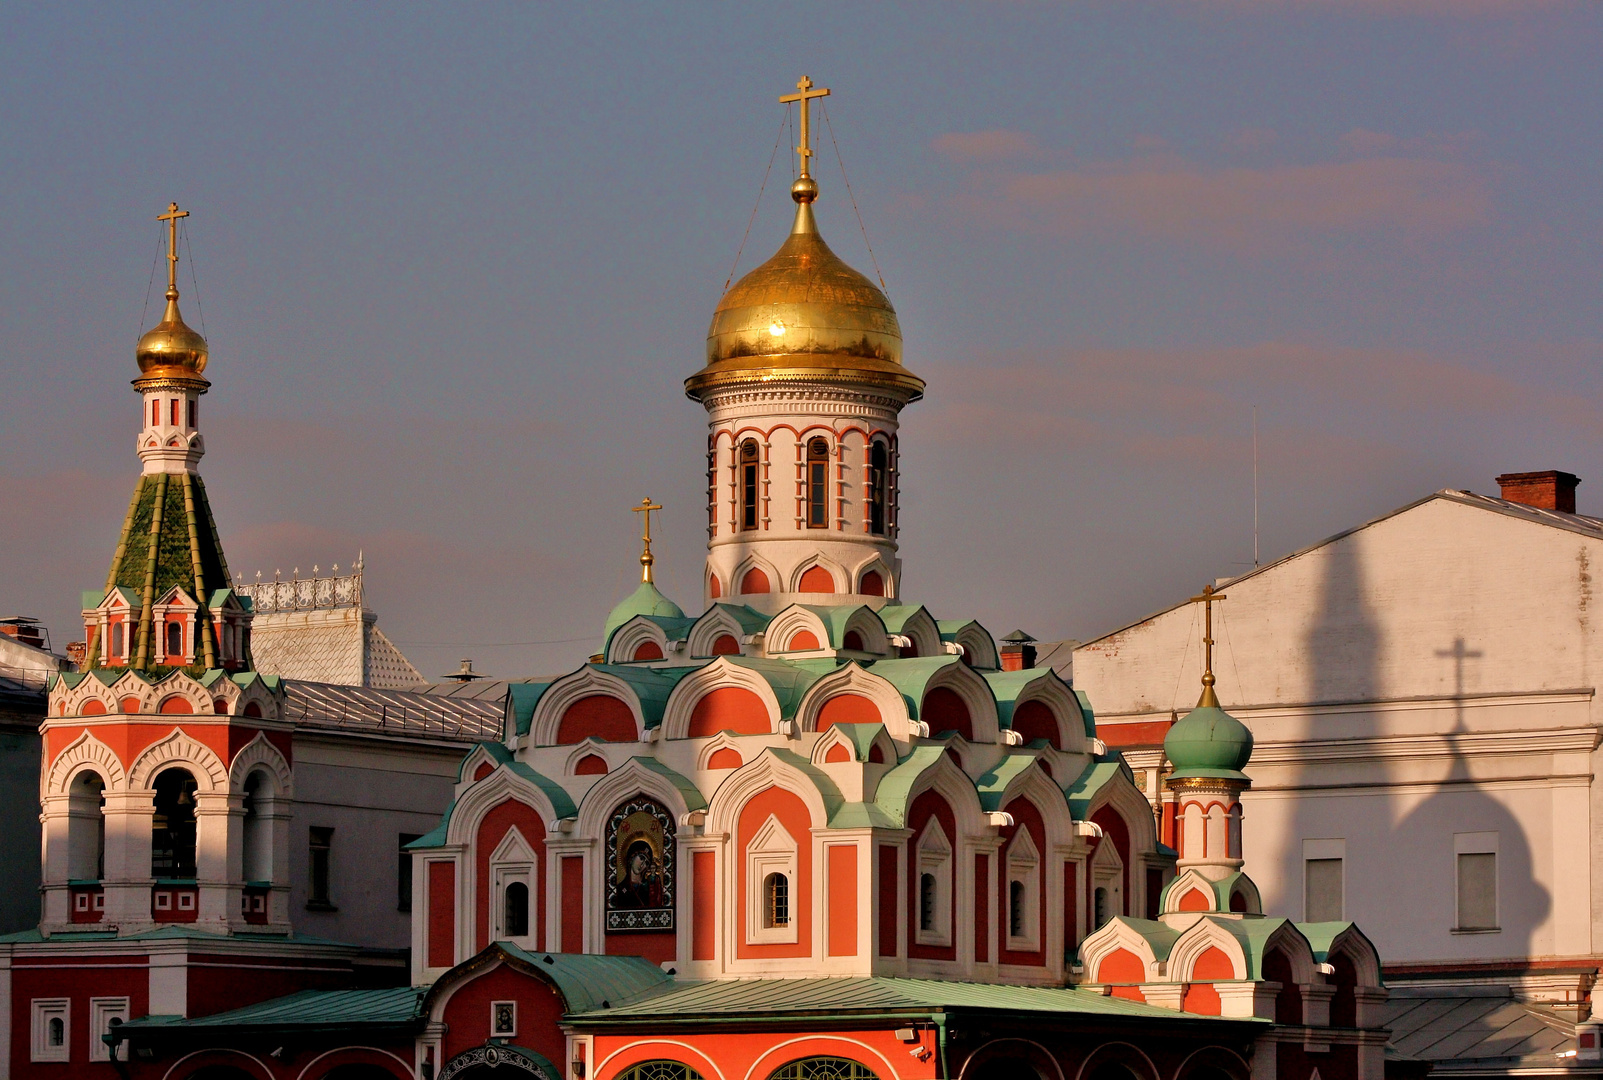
[315, 593]
[397, 713]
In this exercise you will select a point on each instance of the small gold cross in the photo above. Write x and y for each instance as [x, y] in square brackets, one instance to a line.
[646, 559]
[171, 218]
[805, 93]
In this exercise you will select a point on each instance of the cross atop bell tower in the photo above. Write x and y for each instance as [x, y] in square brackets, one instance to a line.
[171, 218]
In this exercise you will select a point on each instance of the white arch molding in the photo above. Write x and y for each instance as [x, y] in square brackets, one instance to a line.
[179, 749]
[85, 752]
[718, 675]
[305, 1073]
[259, 752]
[889, 1073]
[600, 1068]
[964, 1074]
[486, 795]
[588, 681]
[850, 678]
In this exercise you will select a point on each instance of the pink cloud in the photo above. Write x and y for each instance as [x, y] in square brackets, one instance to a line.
[985, 145]
[1379, 143]
[1166, 197]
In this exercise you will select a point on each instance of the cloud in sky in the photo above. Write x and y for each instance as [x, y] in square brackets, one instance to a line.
[1168, 197]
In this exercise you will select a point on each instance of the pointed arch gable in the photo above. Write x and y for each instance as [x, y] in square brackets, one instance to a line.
[756, 562]
[514, 847]
[1288, 940]
[767, 770]
[1058, 697]
[720, 674]
[637, 776]
[583, 749]
[259, 753]
[951, 783]
[1177, 894]
[851, 741]
[1122, 796]
[1033, 784]
[975, 694]
[978, 645]
[1359, 951]
[866, 624]
[1203, 935]
[627, 638]
[787, 624]
[850, 679]
[713, 624]
[85, 752]
[499, 787]
[179, 749]
[874, 565]
[721, 746]
[917, 625]
[588, 681]
[1114, 935]
[800, 579]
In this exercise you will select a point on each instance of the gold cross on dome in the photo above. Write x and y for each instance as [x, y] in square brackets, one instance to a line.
[805, 93]
[646, 559]
[171, 218]
[1206, 599]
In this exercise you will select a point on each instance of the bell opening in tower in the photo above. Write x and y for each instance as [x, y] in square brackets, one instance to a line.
[817, 484]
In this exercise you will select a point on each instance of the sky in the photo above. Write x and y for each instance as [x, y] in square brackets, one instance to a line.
[455, 262]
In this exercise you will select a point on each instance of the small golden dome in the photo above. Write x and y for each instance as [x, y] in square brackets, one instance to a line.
[171, 350]
[804, 314]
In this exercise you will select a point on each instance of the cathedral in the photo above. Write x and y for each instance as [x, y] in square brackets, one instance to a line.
[812, 833]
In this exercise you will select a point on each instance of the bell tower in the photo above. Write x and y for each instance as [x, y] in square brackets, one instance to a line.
[803, 387]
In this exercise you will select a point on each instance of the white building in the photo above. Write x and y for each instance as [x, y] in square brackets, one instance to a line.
[1422, 691]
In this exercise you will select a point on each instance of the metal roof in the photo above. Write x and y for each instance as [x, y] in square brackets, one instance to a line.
[1470, 1028]
[392, 712]
[388, 1007]
[790, 997]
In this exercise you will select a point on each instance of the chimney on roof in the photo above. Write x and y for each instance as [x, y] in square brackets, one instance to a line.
[1018, 651]
[1550, 490]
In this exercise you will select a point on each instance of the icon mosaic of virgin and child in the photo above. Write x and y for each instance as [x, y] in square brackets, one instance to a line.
[640, 884]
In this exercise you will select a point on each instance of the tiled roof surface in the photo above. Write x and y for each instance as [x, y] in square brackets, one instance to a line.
[1469, 1027]
[391, 712]
[339, 645]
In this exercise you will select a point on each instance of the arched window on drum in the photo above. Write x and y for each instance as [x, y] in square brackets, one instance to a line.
[878, 487]
[817, 484]
[748, 485]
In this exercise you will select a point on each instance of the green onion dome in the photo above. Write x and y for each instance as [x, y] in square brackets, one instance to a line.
[1208, 743]
[646, 600]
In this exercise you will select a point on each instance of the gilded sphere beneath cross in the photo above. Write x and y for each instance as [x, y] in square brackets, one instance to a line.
[804, 189]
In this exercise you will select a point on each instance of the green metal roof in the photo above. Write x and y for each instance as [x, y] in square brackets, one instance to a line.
[694, 799]
[911, 676]
[1083, 791]
[521, 700]
[891, 795]
[589, 981]
[895, 616]
[861, 736]
[993, 785]
[787, 679]
[645, 600]
[785, 999]
[389, 1007]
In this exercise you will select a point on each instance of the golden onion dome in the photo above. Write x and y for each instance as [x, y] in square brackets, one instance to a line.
[804, 314]
[171, 349]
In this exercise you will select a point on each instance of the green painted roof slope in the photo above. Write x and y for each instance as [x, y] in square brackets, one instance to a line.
[388, 1007]
[785, 998]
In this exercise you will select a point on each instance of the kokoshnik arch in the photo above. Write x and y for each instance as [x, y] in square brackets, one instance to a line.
[814, 833]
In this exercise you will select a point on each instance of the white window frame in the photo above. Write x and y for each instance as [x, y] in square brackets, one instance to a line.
[1024, 866]
[513, 860]
[1320, 849]
[771, 851]
[933, 856]
[45, 1010]
[498, 1032]
[1478, 843]
[102, 1011]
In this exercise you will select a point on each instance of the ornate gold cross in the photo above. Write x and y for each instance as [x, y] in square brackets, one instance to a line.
[806, 93]
[646, 559]
[171, 218]
[1206, 599]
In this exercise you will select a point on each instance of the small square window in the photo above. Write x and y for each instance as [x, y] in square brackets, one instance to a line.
[52, 1029]
[164, 901]
[186, 901]
[503, 1019]
[80, 902]
[100, 901]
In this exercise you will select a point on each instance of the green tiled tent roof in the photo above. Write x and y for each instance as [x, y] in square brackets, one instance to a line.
[168, 538]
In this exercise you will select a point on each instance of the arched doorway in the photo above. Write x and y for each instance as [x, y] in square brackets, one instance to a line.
[496, 1062]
